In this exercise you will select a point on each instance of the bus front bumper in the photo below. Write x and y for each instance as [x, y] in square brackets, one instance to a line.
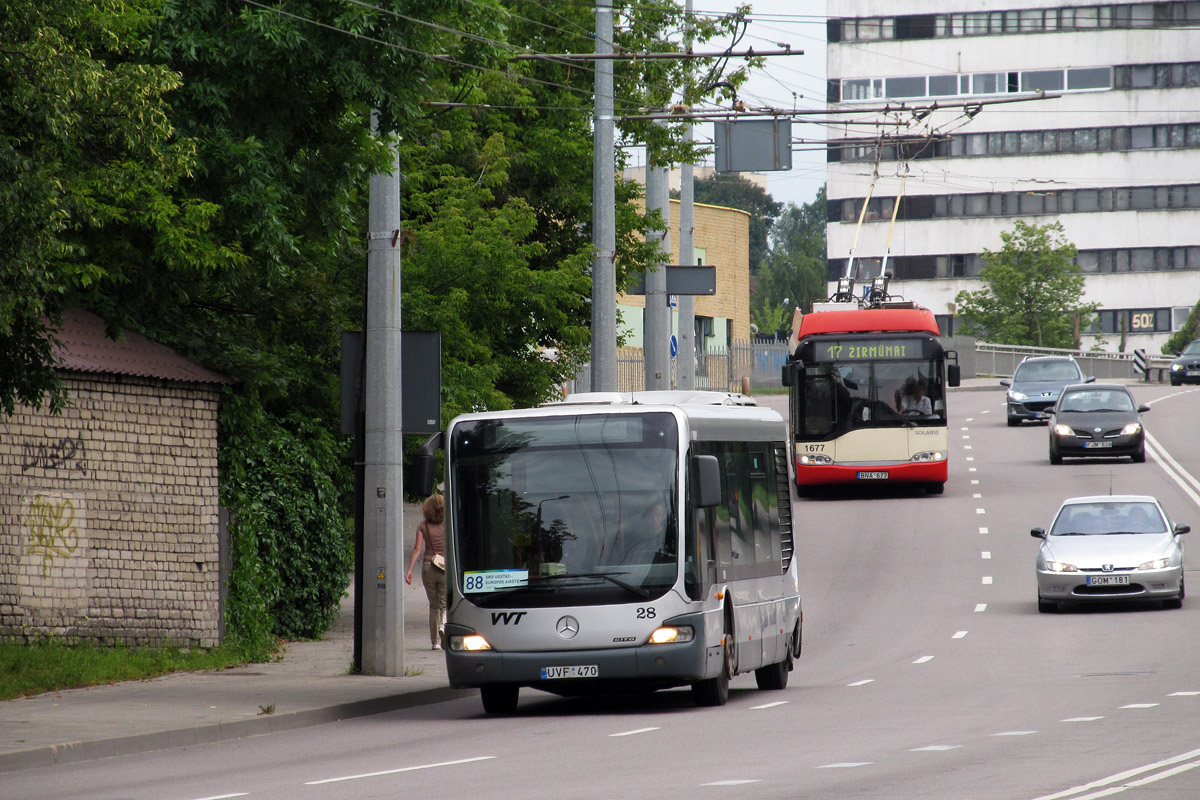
[654, 665]
[902, 472]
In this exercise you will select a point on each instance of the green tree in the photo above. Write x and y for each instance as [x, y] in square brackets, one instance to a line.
[89, 166]
[1033, 293]
[1184, 336]
[734, 191]
[794, 275]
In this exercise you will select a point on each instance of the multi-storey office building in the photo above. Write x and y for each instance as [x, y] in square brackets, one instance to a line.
[1112, 149]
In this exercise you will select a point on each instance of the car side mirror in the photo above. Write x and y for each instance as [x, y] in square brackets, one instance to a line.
[1182, 529]
[1038, 533]
[1143, 408]
[1006, 382]
[1090, 379]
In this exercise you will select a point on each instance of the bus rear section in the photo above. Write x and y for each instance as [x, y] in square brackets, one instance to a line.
[591, 548]
[868, 399]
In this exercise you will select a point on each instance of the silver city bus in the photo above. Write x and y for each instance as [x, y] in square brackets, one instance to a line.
[617, 542]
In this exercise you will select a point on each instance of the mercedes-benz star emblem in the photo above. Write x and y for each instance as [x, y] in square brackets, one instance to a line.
[567, 627]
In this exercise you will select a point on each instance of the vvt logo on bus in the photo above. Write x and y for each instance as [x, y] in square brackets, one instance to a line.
[508, 617]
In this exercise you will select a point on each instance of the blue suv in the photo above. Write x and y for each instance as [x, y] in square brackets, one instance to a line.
[1036, 385]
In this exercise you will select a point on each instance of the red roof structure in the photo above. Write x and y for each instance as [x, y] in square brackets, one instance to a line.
[86, 348]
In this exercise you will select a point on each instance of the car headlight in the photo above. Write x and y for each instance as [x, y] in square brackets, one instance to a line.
[1158, 563]
[673, 635]
[1058, 566]
[930, 456]
[1063, 430]
[1018, 396]
[1176, 367]
[809, 459]
[471, 643]
[1132, 428]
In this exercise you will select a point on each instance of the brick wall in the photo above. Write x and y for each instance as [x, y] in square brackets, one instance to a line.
[108, 514]
[724, 235]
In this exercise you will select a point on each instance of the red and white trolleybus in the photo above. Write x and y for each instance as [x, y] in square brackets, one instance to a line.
[867, 385]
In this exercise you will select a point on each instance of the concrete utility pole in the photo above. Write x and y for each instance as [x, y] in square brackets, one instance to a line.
[383, 521]
[656, 324]
[604, 212]
[686, 363]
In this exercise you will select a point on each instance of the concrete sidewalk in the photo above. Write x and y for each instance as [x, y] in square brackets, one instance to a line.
[308, 685]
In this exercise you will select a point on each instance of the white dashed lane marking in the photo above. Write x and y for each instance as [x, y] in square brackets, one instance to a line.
[980, 607]
[987, 580]
[863, 682]
[959, 635]
[1140, 705]
[1081, 719]
[634, 732]
[846, 765]
[933, 748]
[923, 660]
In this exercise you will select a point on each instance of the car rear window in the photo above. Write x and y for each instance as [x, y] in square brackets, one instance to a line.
[1048, 371]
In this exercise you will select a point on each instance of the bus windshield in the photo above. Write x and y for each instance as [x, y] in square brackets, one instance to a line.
[842, 396]
[565, 510]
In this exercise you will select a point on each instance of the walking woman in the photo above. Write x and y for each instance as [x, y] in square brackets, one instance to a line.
[431, 539]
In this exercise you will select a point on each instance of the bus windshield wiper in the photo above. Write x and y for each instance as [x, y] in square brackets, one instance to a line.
[608, 576]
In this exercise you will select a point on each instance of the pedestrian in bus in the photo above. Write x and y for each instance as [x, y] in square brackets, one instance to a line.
[430, 547]
[911, 398]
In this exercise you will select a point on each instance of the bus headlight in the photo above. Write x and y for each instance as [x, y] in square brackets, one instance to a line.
[673, 635]
[808, 459]
[930, 456]
[471, 643]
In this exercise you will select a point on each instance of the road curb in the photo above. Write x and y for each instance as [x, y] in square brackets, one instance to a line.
[72, 752]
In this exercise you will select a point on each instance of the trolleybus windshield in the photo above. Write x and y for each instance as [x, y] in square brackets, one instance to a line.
[565, 510]
[866, 393]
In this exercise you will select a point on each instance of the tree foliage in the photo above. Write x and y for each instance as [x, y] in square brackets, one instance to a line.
[1033, 293]
[794, 275]
[89, 167]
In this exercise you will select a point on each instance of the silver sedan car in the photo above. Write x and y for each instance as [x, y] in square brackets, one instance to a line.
[1110, 548]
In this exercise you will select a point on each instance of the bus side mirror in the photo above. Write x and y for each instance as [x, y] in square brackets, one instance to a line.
[953, 374]
[790, 372]
[419, 478]
[706, 481]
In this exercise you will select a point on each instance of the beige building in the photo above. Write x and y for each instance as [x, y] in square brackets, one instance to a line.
[109, 524]
[721, 240]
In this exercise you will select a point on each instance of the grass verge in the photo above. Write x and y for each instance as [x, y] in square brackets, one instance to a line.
[27, 669]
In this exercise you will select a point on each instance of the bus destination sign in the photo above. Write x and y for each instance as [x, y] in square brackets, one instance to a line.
[868, 349]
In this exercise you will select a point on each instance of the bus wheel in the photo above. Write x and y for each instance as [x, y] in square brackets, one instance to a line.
[937, 487]
[499, 698]
[715, 691]
[774, 676]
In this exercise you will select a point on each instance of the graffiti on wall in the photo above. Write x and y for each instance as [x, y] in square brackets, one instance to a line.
[67, 453]
[52, 532]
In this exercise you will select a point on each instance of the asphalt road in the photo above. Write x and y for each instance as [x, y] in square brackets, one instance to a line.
[927, 672]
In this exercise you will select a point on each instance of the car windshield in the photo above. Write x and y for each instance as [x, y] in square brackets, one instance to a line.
[1102, 518]
[1192, 349]
[1096, 400]
[565, 510]
[1048, 371]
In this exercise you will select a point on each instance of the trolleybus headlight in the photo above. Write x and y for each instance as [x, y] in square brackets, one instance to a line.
[672, 635]
[471, 643]
[930, 455]
[809, 459]
[1131, 428]
[1058, 566]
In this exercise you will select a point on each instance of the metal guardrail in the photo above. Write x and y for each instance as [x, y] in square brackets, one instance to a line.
[1001, 360]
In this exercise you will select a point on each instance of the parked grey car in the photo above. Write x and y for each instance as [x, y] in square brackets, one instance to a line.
[1110, 548]
[1186, 368]
[1097, 419]
[1036, 384]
